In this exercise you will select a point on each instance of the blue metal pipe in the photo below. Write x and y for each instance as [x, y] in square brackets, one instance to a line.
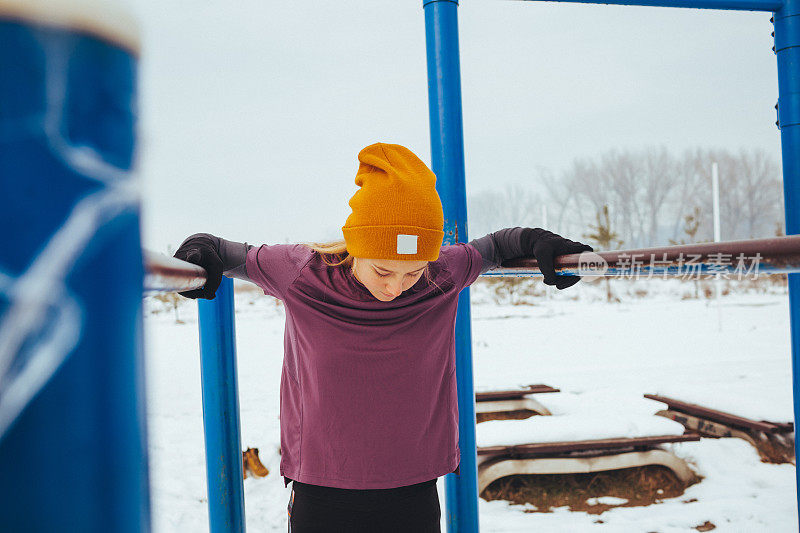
[447, 161]
[787, 50]
[73, 453]
[739, 5]
[221, 411]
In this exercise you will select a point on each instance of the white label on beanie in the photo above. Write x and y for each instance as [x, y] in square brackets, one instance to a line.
[406, 244]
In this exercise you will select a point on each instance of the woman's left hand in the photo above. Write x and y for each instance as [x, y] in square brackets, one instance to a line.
[549, 245]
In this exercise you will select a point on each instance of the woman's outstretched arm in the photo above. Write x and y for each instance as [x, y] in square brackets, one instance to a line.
[501, 245]
[543, 245]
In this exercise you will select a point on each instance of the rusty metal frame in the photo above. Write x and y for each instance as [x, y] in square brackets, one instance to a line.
[487, 396]
[770, 256]
[722, 417]
[514, 404]
[552, 448]
[773, 441]
[167, 274]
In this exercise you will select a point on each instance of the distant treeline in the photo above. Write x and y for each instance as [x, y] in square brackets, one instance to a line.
[653, 197]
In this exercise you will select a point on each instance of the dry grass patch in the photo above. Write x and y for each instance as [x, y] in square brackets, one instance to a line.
[775, 452]
[640, 486]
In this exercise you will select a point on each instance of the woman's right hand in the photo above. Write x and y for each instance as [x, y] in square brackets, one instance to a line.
[200, 250]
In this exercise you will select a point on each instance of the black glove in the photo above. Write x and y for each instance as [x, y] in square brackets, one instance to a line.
[202, 251]
[546, 246]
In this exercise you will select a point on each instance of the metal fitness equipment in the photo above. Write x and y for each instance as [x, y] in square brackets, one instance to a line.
[72, 413]
[447, 155]
[73, 448]
[221, 408]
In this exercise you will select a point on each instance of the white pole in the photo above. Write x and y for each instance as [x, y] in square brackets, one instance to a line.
[718, 280]
[715, 192]
[544, 226]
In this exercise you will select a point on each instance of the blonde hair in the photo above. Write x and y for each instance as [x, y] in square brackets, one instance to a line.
[335, 253]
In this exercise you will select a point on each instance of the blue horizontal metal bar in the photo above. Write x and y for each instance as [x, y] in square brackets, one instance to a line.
[739, 5]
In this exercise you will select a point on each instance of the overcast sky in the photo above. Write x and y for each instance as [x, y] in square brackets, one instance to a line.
[252, 115]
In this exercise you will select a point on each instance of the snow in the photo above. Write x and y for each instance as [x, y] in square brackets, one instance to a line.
[602, 356]
[606, 500]
[572, 427]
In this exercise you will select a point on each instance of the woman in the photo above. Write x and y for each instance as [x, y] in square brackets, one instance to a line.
[369, 415]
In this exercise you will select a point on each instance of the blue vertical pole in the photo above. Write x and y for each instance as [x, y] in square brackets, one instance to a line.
[73, 454]
[787, 50]
[221, 411]
[447, 159]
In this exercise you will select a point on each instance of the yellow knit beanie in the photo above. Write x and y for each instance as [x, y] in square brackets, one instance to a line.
[397, 213]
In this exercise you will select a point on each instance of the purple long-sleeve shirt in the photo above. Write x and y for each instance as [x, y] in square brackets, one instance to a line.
[368, 388]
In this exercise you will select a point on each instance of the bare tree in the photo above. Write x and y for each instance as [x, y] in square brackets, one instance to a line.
[512, 206]
[691, 223]
[650, 192]
[172, 299]
[622, 174]
[559, 199]
[762, 191]
[659, 176]
[689, 189]
[605, 238]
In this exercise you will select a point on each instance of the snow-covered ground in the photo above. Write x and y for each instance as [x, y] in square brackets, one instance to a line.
[602, 356]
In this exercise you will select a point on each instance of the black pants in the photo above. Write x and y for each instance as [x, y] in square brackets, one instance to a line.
[409, 509]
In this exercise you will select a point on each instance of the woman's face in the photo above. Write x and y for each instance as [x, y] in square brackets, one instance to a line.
[386, 279]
